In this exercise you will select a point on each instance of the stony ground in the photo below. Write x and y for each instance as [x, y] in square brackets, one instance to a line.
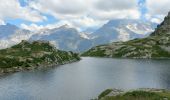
[139, 94]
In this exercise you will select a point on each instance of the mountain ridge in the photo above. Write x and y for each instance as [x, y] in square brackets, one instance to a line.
[164, 27]
[154, 46]
[122, 30]
[70, 39]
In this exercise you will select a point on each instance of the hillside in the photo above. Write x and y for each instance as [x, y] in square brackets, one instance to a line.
[32, 55]
[157, 45]
[140, 94]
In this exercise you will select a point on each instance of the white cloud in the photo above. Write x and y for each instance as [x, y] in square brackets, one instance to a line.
[116, 4]
[32, 27]
[61, 8]
[157, 7]
[80, 24]
[2, 22]
[156, 20]
[15, 38]
[153, 19]
[69, 9]
[157, 10]
[87, 13]
[12, 9]
[84, 22]
[35, 28]
[116, 14]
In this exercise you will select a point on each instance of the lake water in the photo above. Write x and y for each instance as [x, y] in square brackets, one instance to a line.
[85, 79]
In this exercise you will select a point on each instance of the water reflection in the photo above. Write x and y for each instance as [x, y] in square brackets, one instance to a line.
[85, 79]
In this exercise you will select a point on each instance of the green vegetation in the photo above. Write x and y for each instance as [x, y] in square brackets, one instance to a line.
[136, 95]
[98, 53]
[103, 94]
[32, 54]
[157, 45]
[151, 47]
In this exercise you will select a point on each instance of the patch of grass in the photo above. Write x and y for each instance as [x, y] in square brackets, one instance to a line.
[159, 52]
[139, 95]
[95, 53]
[104, 93]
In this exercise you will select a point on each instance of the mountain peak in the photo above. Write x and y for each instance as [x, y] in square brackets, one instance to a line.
[164, 27]
[65, 26]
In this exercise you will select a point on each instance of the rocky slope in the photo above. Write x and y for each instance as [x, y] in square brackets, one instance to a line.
[70, 39]
[122, 30]
[64, 38]
[139, 94]
[163, 28]
[33, 55]
[11, 35]
[157, 45]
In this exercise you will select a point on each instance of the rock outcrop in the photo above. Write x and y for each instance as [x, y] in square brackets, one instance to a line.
[164, 27]
[33, 55]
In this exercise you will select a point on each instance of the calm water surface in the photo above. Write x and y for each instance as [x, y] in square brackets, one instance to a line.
[85, 79]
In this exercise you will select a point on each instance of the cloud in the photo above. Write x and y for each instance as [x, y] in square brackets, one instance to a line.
[80, 24]
[36, 28]
[11, 9]
[115, 14]
[156, 7]
[32, 27]
[115, 4]
[157, 10]
[61, 8]
[2, 22]
[87, 13]
[69, 9]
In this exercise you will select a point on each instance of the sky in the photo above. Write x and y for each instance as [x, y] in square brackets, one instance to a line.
[81, 14]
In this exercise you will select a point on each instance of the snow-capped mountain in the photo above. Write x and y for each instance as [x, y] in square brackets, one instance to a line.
[70, 39]
[11, 35]
[65, 38]
[122, 30]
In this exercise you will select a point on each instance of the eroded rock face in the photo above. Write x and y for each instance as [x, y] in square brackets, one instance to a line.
[164, 27]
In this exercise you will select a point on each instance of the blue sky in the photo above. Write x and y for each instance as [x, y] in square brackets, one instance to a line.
[142, 8]
[51, 19]
[18, 22]
[83, 14]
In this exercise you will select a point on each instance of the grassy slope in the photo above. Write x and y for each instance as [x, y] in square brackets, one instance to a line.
[28, 54]
[136, 95]
[149, 47]
[157, 45]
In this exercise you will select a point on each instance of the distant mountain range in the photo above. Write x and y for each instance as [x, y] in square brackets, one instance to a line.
[65, 38]
[11, 35]
[122, 30]
[156, 45]
[70, 39]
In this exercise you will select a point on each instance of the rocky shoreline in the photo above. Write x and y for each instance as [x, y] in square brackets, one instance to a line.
[6, 71]
[33, 55]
